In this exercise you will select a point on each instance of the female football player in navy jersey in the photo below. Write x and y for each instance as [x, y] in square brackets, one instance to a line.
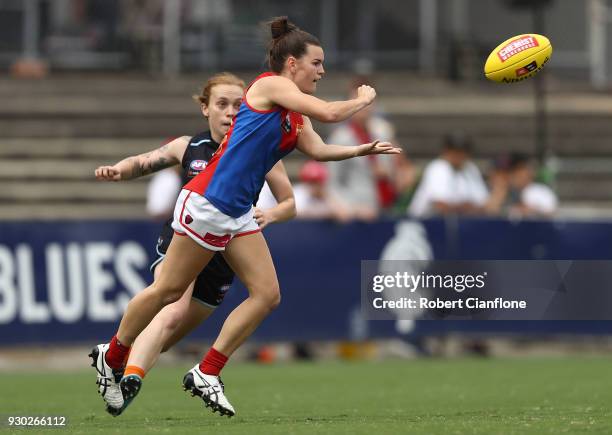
[214, 211]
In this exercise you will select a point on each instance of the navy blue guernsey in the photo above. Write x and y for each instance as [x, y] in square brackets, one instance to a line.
[199, 151]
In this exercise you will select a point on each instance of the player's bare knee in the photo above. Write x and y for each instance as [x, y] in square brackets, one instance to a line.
[170, 293]
[274, 305]
[270, 297]
[171, 319]
[275, 299]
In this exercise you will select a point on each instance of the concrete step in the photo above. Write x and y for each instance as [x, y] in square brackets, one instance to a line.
[49, 169]
[71, 210]
[420, 136]
[586, 147]
[334, 83]
[593, 188]
[80, 186]
[77, 158]
[578, 209]
[119, 126]
[73, 148]
[75, 191]
[156, 103]
[416, 147]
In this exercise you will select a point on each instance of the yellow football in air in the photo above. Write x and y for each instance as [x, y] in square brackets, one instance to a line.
[518, 58]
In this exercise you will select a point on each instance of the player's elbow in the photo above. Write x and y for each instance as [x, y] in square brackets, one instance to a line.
[326, 116]
[317, 152]
[331, 115]
[327, 113]
[289, 211]
[292, 212]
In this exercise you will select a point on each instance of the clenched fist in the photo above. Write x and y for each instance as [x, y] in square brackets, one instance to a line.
[108, 173]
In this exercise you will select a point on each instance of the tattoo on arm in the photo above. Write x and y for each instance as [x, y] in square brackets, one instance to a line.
[151, 162]
[148, 163]
[155, 165]
[134, 167]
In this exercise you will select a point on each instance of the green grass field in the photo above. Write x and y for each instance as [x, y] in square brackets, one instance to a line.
[556, 395]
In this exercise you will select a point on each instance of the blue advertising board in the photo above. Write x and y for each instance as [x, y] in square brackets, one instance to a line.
[70, 281]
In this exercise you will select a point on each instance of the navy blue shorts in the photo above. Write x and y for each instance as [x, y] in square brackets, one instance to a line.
[214, 280]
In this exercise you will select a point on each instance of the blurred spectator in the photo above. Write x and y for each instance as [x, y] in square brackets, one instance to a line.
[528, 198]
[366, 185]
[163, 189]
[162, 192]
[406, 180]
[313, 200]
[142, 23]
[203, 29]
[266, 197]
[499, 185]
[452, 183]
[103, 17]
[210, 12]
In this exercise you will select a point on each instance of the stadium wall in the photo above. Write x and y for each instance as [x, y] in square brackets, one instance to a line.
[69, 281]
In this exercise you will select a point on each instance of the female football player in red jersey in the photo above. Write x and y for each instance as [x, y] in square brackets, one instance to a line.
[220, 100]
[214, 211]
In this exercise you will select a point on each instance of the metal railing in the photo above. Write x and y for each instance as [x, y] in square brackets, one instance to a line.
[173, 36]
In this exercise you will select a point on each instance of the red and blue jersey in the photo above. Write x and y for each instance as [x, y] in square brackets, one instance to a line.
[254, 143]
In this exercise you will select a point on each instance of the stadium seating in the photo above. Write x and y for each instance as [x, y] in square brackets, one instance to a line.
[54, 133]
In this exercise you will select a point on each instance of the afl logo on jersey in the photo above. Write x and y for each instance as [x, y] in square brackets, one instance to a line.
[198, 165]
[195, 167]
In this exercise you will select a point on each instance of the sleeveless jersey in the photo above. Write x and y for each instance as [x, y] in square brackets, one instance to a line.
[254, 143]
[197, 155]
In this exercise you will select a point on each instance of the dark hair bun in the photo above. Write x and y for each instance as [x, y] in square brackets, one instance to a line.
[280, 26]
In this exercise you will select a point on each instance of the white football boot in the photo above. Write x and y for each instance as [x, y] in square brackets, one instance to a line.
[108, 378]
[210, 389]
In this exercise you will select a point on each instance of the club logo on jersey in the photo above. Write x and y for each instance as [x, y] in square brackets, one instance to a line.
[188, 219]
[287, 123]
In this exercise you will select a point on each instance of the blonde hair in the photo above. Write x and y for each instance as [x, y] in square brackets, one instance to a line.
[224, 78]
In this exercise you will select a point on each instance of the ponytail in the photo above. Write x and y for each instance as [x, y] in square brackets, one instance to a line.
[287, 40]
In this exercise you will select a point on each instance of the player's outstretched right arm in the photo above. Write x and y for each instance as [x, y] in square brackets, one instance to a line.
[311, 144]
[168, 155]
[281, 91]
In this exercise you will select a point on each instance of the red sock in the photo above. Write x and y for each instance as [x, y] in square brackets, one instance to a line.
[213, 362]
[117, 354]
